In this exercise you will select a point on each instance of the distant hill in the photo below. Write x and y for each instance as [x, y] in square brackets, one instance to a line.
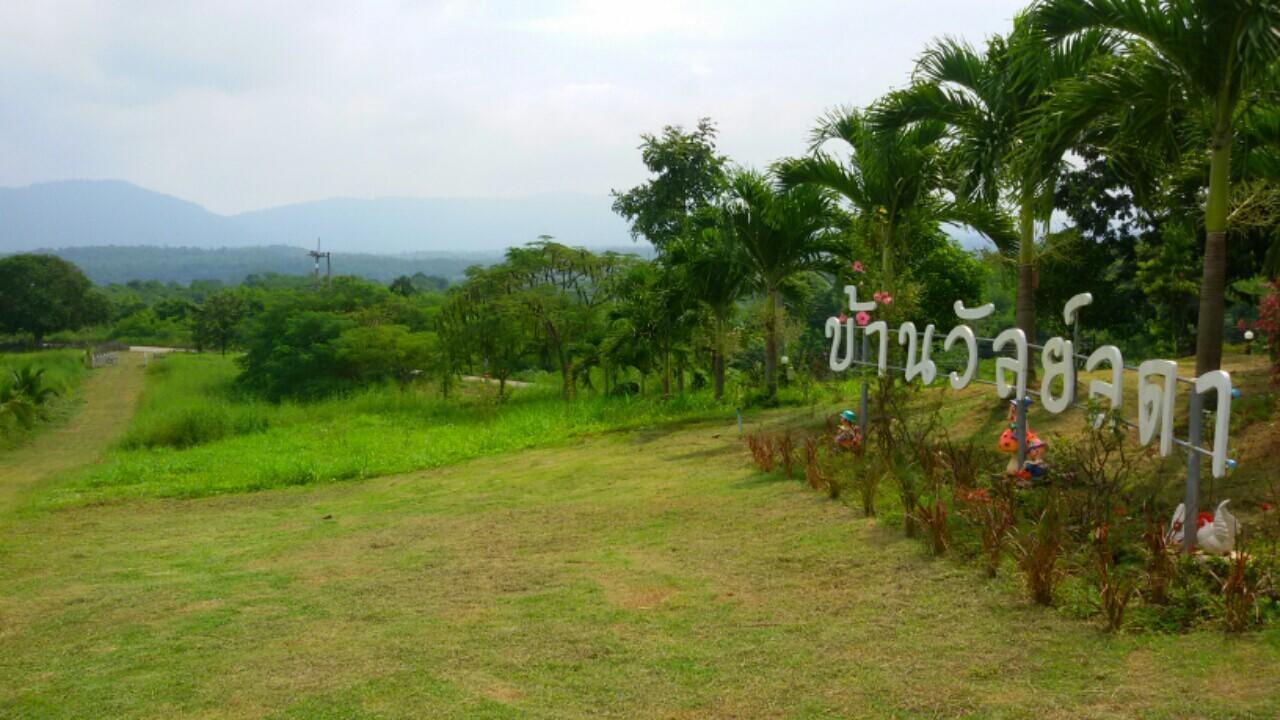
[80, 213]
[120, 264]
[117, 264]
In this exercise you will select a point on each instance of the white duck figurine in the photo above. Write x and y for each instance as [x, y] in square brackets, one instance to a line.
[1215, 534]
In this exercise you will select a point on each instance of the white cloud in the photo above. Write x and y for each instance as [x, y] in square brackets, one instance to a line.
[240, 105]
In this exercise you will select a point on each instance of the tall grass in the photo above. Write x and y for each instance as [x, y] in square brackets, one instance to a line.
[195, 435]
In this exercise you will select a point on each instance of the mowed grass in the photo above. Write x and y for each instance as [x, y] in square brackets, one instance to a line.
[648, 574]
[194, 435]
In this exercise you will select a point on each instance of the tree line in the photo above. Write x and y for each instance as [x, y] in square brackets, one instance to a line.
[1129, 148]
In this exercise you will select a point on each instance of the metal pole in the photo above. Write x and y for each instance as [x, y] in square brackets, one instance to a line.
[1192, 499]
[1021, 432]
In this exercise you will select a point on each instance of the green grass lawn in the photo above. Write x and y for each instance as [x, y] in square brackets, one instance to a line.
[642, 573]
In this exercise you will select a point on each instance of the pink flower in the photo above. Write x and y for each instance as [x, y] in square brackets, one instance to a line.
[857, 266]
[877, 296]
[863, 318]
[842, 318]
[887, 299]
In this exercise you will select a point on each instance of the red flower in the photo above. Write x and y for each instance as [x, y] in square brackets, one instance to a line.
[857, 266]
[863, 318]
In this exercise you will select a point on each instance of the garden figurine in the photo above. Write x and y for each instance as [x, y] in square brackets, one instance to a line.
[1215, 534]
[849, 435]
[1034, 468]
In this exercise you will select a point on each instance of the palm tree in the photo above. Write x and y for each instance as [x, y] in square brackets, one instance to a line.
[984, 99]
[894, 179]
[1215, 52]
[29, 382]
[782, 233]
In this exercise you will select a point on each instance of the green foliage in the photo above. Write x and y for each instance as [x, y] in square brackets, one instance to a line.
[679, 200]
[35, 387]
[945, 272]
[42, 294]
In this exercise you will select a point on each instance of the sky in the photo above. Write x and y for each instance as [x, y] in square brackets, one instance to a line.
[247, 105]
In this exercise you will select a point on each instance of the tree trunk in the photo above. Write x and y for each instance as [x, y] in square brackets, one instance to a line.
[680, 377]
[717, 370]
[1213, 285]
[1025, 307]
[502, 387]
[771, 344]
[886, 258]
[666, 375]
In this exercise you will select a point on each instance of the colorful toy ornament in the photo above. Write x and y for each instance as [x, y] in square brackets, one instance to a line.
[1033, 467]
[849, 436]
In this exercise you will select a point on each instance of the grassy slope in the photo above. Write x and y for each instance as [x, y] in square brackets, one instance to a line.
[242, 445]
[647, 574]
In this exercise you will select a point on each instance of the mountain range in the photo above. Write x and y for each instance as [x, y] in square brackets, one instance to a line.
[82, 213]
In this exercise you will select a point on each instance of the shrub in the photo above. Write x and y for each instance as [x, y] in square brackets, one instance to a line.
[993, 514]
[1114, 589]
[785, 448]
[762, 452]
[814, 473]
[1038, 551]
[933, 516]
[1159, 564]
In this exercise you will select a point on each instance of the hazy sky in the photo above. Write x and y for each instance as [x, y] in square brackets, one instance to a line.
[244, 105]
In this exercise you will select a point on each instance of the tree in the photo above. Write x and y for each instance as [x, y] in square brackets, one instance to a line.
[42, 294]
[680, 199]
[894, 180]
[1213, 54]
[385, 352]
[984, 99]
[485, 318]
[403, 285]
[715, 275]
[218, 321]
[1166, 274]
[291, 351]
[782, 233]
[560, 289]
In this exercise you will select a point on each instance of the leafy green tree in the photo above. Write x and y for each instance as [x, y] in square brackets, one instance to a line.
[783, 233]
[295, 352]
[945, 272]
[42, 294]
[716, 276]
[985, 99]
[485, 318]
[1207, 56]
[1167, 267]
[217, 322]
[385, 352]
[403, 285]
[689, 176]
[561, 290]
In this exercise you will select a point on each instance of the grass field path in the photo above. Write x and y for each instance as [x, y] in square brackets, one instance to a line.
[109, 396]
[648, 574]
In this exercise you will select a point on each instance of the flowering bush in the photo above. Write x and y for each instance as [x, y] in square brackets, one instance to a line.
[1269, 325]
